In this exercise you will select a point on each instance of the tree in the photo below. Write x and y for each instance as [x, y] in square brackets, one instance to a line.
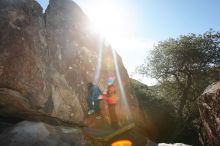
[185, 66]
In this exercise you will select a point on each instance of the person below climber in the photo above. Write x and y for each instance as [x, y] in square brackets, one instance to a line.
[111, 98]
[94, 100]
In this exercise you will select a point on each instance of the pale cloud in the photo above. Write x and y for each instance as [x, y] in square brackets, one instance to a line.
[146, 80]
[133, 52]
[132, 43]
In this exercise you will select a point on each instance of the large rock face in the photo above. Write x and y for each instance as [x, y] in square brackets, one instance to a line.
[23, 52]
[46, 61]
[209, 109]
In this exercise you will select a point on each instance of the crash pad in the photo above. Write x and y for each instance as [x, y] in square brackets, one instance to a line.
[106, 133]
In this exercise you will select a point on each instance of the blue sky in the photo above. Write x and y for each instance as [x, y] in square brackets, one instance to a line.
[155, 20]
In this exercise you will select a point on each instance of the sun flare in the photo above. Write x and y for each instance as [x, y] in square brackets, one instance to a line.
[109, 18]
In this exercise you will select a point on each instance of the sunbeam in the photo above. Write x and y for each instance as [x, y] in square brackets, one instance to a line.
[99, 60]
[124, 100]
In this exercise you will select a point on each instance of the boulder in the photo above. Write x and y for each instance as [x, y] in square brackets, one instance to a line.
[209, 110]
[48, 59]
[41, 134]
[23, 50]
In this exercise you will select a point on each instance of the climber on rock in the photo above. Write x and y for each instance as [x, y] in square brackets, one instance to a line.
[94, 100]
[111, 98]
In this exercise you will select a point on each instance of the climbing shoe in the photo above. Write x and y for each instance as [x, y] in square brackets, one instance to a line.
[90, 112]
[98, 117]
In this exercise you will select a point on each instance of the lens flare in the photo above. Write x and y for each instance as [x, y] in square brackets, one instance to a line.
[124, 100]
[99, 60]
[122, 143]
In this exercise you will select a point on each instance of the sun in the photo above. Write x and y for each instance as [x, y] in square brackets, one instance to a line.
[109, 18]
